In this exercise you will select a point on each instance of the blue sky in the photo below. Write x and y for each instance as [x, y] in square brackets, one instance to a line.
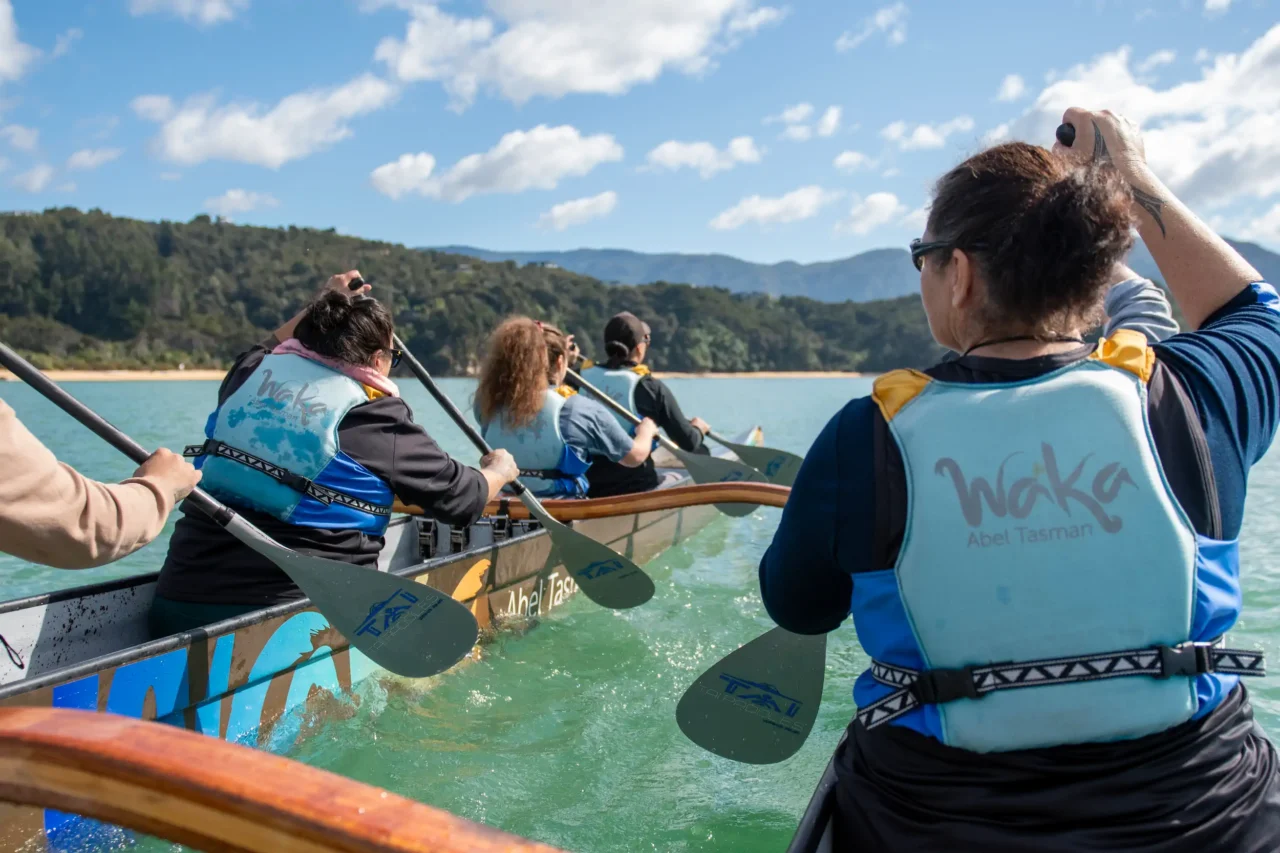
[764, 129]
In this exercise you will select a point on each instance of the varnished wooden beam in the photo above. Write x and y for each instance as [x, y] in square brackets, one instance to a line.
[765, 494]
[213, 795]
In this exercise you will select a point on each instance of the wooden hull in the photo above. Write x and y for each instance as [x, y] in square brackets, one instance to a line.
[264, 678]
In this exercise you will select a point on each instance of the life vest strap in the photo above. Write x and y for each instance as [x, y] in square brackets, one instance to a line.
[935, 686]
[310, 488]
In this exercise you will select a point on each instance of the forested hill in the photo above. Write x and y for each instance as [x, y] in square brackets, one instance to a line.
[92, 290]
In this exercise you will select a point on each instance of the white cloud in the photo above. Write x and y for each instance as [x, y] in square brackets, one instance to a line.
[578, 211]
[753, 20]
[237, 201]
[793, 114]
[852, 161]
[202, 12]
[522, 160]
[1212, 140]
[92, 158]
[891, 172]
[918, 217]
[529, 48]
[34, 179]
[1155, 60]
[997, 134]
[830, 121]
[703, 156]
[924, 136]
[68, 187]
[890, 20]
[798, 132]
[62, 45]
[796, 205]
[1012, 88]
[15, 56]
[1265, 227]
[1216, 7]
[170, 176]
[1203, 56]
[22, 138]
[297, 126]
[868, 214]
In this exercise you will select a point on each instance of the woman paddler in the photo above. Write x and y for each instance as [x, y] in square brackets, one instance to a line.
[311, 442]
[626, 379]
[553, 432]
[1042, 580]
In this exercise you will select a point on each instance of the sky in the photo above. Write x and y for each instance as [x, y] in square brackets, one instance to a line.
[768, 130]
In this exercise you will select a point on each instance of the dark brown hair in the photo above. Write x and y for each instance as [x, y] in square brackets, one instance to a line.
[349, 328]
[514, 373]
[1044, 233]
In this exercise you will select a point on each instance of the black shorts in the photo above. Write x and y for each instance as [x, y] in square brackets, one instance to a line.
[1206, 786]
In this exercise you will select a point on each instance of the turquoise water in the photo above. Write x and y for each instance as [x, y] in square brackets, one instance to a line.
[566, 734]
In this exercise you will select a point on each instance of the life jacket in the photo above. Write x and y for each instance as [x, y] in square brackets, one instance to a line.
[619, 385]
[1053, 587]
[272, 446]
[549, 467]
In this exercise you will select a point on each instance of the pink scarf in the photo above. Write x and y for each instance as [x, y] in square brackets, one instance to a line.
[363, 374]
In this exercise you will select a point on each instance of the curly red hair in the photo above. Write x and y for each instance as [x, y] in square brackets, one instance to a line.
[516, 370]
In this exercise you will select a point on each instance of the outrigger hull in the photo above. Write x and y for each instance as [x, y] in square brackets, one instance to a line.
[261, 677]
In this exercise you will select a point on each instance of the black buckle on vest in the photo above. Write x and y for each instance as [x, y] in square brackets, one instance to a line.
[1185, 659]
[934, 686]
[301, 484]
[209, 448]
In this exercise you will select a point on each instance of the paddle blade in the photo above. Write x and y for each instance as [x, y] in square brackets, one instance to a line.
[605, 576]
[780, 466]
[758, 704]
[405, 627]
[717, 469]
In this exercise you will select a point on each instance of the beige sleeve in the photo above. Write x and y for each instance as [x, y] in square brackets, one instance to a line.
[51, 514]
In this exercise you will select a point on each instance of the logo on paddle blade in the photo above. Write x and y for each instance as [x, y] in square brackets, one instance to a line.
[601, 568]
[761, 695]
[775, 465]
[389, 611]
[733, 477]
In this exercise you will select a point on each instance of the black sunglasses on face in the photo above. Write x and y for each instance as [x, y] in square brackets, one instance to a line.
[920, 248]
[396, 355]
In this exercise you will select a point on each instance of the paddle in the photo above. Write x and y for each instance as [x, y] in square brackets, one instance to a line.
[759, 703]
[607, 577]
[780, 466]
[408, 628]
[703, 469]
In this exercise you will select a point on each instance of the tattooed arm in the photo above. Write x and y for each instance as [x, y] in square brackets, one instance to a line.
[1201, 270]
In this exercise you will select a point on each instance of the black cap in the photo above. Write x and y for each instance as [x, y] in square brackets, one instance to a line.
[626, 329]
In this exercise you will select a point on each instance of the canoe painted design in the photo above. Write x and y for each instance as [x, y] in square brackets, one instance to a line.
[265, 678]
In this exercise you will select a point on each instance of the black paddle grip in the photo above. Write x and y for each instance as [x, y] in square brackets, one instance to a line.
[1066, 134]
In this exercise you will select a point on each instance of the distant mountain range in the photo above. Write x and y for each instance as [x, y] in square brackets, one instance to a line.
[878, 274]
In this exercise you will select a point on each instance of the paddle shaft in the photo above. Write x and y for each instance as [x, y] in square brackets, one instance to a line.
[621, 410]
[51, 391]
[454, 412]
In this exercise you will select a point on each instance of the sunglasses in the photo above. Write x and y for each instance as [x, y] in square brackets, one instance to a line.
[920, 248]
[396, 355]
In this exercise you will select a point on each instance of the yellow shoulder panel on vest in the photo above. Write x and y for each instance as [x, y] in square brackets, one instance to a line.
[586, 362]
[372, 393]
[1127, 349]
[565, 391]
[640, 370]
[895, 389]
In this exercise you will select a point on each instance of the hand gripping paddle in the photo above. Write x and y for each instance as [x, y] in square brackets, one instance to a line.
[408, 628]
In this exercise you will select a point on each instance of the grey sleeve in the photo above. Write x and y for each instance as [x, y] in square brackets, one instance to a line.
[590, 427]
[1139, 305]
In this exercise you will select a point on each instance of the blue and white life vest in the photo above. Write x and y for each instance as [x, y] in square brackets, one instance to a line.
[549, 467]
[272, 446]
[1052, 590]
[620, 386]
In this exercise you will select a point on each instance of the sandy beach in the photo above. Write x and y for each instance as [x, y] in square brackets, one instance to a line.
[216, 375]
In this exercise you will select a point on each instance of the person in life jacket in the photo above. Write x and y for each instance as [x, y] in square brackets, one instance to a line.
[552, 431]
[626, 379]
[1044, 582]
[311, 442]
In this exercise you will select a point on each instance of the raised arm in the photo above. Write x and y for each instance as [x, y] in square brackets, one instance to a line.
[1202, 272]
[1136, 303]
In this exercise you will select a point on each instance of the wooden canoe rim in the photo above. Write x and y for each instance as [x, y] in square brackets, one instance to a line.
[213, 795]
[765, 494]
